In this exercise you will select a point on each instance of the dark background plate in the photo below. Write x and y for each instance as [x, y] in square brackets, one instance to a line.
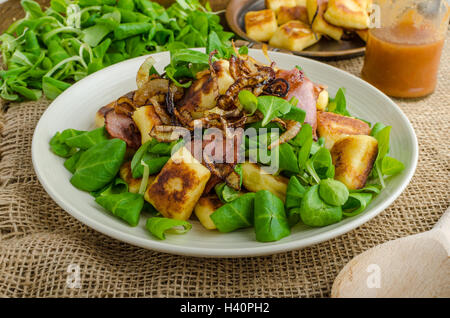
[324, 49]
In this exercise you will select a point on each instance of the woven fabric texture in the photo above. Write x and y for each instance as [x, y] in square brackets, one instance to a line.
[38, 240]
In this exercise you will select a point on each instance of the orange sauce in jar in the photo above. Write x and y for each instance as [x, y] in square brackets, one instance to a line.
[403, 60]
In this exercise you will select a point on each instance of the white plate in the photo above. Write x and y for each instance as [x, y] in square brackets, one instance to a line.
[75, 108]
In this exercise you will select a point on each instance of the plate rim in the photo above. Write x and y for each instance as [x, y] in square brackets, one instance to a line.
[161, 246]
[344, 54]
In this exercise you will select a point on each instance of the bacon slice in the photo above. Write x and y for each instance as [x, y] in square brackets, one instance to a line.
[220, 156]
[305, 91]
[123, 127]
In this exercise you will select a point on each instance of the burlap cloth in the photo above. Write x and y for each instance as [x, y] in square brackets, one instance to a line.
[39, 240]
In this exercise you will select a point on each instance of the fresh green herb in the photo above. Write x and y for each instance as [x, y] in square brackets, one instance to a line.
[126, 206]
[159, 226]
[374, 189]
[87, 139]
[382, 137]
[235, 215]
[47, 51]
[391, 166]
[270, 222]
[376, 128]
[152, 153]
[305, 141]
[338, 104]
[71, 163]
[320, 165]
[225, 193]
[296, 114]
[271, 107]
[117, 186]
[186, 63]
[333, 192]
[315, 212]
[58, 143]
[356, 203]
[144, 180]
[287, 158]
[248, 101]
[294, 194]
[243, 50]
[99, 165]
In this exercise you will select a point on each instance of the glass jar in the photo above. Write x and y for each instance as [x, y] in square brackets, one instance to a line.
[403, 51]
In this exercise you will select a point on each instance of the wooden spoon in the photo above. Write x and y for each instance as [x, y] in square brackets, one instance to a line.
[413, 266]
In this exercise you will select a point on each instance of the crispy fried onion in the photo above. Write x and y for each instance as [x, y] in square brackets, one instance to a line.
[156, 87]
[292, 129]
[278, 87]
[125, 105]
[143, 74]
[160, 111]
[169, 133]
[230, 99]
[247, 75]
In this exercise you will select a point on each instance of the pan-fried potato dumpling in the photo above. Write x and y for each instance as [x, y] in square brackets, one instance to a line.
[316, 10]
[133, 183]
[100, 115]
[204, 208]
[322, 100]
[350, 14]
[363, 34]
[178, 186]
[353, 157]
[254, 179]
[260, 25]
[300, 3]
[145, 119]
[224, 78]
[201, 95]
[276, 4]
[294, 35]
[332, 127]
[286, 14]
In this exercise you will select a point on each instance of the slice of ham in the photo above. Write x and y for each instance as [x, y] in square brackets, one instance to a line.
[123, 127]
[305, 91]
[220, 156]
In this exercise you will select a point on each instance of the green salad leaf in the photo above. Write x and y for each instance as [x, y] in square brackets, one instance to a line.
[87, 139]
[58, 143]
[315, 212]
[248, 101]
[333, 192]
[271, 223]
[99, 165]
[356, 203]
[338, 104]
[126, 206]
[226, 193]
[236, 214]
[391, 166]
[71, 162]
[152, 153]
[48, 50]
[271, 107]
[159, 226]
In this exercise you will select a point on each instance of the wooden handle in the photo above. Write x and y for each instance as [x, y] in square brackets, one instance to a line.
[444, 222]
